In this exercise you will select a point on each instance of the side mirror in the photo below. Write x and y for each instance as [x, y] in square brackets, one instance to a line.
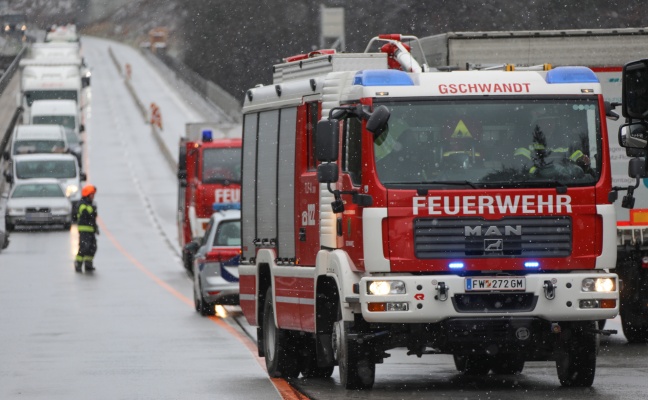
[192, 247]
[377, 122]
[5, 155]
[83, 176]
[327, 173]
[327, 138]
[609, 111]
[634, 93]
[637, 168]
[81, 128]
[633, 135]
[9, 178]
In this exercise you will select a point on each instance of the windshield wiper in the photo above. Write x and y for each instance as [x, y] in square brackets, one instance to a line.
[450, 183]
[560, 186]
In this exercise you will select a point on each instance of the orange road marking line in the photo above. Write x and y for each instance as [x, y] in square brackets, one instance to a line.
[286, 391]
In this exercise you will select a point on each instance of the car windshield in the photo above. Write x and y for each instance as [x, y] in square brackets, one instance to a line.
[33, 95]
[221, 165]
[228, 234]
[37, 190]
[38, 146]
[65, 120]
[60, 169]
[493, 143]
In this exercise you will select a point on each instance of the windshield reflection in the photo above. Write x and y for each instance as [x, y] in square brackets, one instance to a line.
[498, 143]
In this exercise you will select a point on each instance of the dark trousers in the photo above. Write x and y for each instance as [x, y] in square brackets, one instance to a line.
[87, 247]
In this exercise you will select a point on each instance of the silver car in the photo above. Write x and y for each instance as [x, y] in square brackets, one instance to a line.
[215, 263]
[36, 203]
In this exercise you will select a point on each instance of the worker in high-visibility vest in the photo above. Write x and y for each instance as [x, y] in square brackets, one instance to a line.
[554, 147]
[88, 229]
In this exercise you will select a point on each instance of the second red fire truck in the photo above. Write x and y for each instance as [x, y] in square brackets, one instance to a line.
[386, 205]
[209, 172]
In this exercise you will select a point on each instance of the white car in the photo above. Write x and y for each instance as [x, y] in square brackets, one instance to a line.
[215, 263]
[38, 202]
[63, 167]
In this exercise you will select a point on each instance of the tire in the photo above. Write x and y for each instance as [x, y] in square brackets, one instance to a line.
[309, 367]
[576, 364]
[205, 309]
[460, 362]
[356, 370]
[477, 365]
[281, 355]
[507, 364]
[634, 324]
[9, 227]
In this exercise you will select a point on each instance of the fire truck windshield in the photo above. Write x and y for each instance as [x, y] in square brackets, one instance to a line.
[491, 142]
[220, 165]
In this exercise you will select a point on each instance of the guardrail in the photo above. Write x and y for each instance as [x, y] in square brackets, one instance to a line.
[210, 92]
[6, 136]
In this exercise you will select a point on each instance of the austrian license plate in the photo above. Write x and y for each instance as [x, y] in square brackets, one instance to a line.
[495, 284]
[38, 217]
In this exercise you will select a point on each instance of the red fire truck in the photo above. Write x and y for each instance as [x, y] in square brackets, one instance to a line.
[388, 205]
[209, 171]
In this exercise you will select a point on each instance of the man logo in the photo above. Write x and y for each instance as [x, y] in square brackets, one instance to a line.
[493, 245]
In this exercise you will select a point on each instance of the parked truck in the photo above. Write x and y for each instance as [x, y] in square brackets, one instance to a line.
[386, 205]
[605, 51]
[208, 172]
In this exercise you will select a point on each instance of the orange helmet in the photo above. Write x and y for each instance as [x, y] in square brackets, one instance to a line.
[88, 190]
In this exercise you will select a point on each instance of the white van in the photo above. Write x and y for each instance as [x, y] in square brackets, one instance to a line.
[29, 139]
[61, 112]
[62, 167]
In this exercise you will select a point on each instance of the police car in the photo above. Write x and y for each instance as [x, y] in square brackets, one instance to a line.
[215, 263]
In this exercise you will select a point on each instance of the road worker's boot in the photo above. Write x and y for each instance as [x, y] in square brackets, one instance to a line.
[78, 265]
[89, 267]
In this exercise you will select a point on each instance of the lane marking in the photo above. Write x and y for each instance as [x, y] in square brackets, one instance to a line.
[285, 390]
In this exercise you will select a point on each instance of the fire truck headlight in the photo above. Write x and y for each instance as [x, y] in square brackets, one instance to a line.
[598, 285]
[383, 288]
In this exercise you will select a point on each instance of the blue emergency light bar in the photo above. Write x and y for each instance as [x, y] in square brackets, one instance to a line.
[386, 77]
[571, 75]
[207, 135]
[531, 264]
[456, 265]
[226, 206]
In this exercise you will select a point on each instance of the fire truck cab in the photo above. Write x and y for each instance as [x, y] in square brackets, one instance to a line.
[209, 172]
[386, 205]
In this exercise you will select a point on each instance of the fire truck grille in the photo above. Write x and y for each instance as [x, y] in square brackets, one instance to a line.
[479, 238]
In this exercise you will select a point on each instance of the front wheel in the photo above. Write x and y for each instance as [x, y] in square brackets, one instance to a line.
[281, 355]
[9, 227]
[357, 370]
[635, 326]
[576, 363]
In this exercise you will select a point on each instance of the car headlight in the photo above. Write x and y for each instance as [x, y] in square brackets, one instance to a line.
[71, 190]
[598, 285]
[15, 211]
[382, 288]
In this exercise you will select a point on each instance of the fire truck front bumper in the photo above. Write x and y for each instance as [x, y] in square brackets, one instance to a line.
[581, 296]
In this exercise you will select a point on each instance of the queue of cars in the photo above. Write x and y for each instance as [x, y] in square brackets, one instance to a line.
[45, 153]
